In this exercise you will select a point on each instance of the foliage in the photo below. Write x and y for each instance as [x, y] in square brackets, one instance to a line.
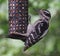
[48, 46]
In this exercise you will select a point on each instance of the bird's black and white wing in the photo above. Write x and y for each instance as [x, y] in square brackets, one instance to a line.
[41, 29]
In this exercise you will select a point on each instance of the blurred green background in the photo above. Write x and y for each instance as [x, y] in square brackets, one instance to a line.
[48, 46]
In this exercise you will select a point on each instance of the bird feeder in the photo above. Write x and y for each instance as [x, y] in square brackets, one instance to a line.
[18, 18]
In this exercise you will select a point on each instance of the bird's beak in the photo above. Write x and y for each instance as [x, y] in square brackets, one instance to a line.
[38, 10]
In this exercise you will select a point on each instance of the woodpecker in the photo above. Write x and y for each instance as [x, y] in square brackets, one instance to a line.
[39, 29]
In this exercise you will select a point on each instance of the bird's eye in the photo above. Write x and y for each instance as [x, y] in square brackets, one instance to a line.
[47, 13]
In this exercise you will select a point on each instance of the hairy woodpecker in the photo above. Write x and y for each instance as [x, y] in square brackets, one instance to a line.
[38, 29]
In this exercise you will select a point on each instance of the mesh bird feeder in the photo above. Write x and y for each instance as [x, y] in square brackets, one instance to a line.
[18, 18]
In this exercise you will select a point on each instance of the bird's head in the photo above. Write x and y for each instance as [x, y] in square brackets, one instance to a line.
[44, 13]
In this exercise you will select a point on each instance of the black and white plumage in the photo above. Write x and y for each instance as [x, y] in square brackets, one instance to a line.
[39, 29]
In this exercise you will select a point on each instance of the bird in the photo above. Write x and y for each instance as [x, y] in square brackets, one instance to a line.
[39, 29]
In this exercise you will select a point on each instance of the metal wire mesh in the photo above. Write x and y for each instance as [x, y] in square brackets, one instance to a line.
[18, 16]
